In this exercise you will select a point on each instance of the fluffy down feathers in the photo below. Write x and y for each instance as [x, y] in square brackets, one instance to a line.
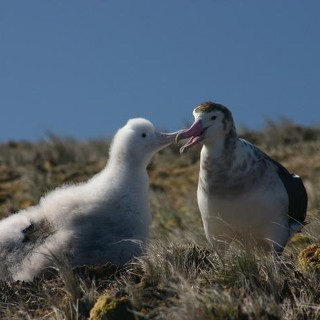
[104, 220]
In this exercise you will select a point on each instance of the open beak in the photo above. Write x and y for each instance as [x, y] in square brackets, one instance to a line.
[196, 133]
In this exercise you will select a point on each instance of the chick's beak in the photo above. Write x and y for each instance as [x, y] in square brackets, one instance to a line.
[165, 139]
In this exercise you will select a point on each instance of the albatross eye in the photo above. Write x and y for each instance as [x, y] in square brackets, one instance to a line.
[144, 135]
[213, 117]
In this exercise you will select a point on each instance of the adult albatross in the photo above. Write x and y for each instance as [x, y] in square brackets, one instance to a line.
[243, 194]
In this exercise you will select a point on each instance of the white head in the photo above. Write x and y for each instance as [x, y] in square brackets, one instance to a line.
[213, 121]
[138, 141]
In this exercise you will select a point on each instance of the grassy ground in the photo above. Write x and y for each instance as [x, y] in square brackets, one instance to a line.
[180, 276]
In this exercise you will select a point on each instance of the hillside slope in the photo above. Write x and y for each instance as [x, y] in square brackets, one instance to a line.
[180, 277]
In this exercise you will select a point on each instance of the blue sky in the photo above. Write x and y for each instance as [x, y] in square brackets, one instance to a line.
[83, 67]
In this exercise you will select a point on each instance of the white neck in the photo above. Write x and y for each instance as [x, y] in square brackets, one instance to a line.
[126, 170]
[122, 157]
[121, 175]
[213, 149]
[219, 148]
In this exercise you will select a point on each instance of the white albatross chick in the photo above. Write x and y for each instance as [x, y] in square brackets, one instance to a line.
[242, 193]
[103, 220]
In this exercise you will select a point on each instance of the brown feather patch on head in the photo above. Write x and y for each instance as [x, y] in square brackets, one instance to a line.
[209, 106]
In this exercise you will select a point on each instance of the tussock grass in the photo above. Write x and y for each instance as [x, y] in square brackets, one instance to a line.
[179, 276]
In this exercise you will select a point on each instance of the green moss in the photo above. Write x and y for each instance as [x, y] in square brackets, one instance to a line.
[111, 308]
[309, 258]
[301, 239]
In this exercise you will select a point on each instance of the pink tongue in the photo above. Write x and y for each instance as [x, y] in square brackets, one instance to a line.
[192, 141]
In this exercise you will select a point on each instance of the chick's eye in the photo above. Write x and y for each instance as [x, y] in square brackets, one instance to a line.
[213, 117]
[144, 135]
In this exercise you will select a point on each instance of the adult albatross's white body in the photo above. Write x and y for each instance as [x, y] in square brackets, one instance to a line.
[104, 220]
[242, 193]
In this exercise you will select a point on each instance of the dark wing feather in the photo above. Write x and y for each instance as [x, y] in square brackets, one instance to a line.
[298, 198]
